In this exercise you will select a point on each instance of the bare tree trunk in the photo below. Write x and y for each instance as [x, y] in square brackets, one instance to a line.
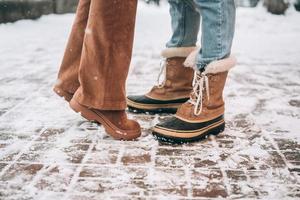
[277, 7]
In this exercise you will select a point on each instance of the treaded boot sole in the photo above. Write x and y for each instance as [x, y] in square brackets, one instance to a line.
[152, 111]
[152, 108]
[197, 136]
[110, 128]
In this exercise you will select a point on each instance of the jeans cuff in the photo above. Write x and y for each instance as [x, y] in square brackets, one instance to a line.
[202, 65]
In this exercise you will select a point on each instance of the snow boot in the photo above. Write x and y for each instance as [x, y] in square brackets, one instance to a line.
[203, 113]
[115, 122]
[173, 91]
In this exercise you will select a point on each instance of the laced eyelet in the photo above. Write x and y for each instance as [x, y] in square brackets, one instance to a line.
[200, 83]
[163, 66]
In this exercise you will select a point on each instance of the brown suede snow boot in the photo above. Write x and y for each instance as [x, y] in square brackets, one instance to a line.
[115, 122]
[175, 89]
[203, 114]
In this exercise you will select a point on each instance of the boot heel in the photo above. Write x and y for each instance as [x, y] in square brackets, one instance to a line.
[217, 130]
[80, 109]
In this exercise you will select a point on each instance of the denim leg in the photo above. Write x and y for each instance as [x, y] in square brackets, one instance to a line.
[185, 23]
[218, 24]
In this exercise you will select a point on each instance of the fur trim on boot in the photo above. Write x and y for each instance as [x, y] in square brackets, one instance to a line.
[222, 65]
[177, 52]
[214, 67]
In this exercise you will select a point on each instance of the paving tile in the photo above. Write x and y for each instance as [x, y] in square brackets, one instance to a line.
[108, 187]
[21, 172]
[173, 162]
[136, 156]
[2, 165]
[292, 157]
[211, 190]
[103, 154]
[55, 178]
[203, 176]
[113, 172]
[51, 135]
[242, 191]
[236, 176]
[287, 144]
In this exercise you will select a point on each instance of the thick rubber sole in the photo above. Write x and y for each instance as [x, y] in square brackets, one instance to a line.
[179, 140]
[66, 95]
[152, 111]
[109, 127]
[152, 108]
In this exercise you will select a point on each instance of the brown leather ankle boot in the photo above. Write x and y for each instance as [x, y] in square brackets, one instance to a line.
[115, 122]
[203, 114]
[173, 91]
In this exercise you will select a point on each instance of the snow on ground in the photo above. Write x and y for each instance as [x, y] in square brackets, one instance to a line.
[48, 152]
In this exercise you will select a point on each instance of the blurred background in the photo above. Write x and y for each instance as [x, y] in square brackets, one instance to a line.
[13, 10]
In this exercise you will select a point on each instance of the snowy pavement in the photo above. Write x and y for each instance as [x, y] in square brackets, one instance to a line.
[48, 152]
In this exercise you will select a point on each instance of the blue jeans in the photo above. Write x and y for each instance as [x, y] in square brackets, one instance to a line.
[218, 24]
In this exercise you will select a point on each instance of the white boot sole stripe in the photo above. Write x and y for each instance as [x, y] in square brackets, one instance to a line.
[186, 134]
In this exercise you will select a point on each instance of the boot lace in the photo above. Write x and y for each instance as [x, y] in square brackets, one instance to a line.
[200, 82]
[162, 71]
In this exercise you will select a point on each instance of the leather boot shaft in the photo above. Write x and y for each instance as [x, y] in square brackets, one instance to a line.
[177, 83]
[212, 106]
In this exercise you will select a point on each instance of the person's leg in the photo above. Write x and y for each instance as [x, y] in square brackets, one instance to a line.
[203, 114]
[105, 60]
[106, 54]
[67, 82]
[185, 21]
[218, 24]
[176, 88]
